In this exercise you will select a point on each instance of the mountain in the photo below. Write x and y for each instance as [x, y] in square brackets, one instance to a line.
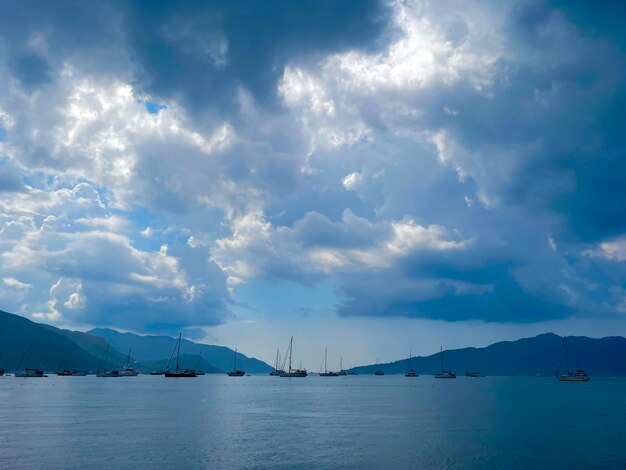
[159, 347]
[49, 346]
[541, 355]
[93, 345]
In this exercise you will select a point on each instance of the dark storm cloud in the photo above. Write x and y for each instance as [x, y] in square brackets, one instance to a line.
[202, 52]
[526, 183]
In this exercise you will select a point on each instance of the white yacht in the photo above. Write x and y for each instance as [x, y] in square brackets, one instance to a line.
[411, 372]
[444, 374]
[128, 371]
[105, 372]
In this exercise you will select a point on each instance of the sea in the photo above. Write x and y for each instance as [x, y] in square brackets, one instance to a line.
[350, 422]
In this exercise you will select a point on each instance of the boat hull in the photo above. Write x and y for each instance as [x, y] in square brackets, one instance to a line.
[180, 375]
[112, 373]
[236, 373]
[295, 373]
[569, 378]
[71, 373]
[30, 373]
[329, 374]
[446, 375]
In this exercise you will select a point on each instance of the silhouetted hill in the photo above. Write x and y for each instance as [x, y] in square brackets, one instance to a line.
[160, 347]
[541, 355]
[94, 345]
[48, 346]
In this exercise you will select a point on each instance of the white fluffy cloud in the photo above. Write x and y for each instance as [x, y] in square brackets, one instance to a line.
[422, 172]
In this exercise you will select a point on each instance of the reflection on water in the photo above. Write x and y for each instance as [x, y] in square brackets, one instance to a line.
[315, 422]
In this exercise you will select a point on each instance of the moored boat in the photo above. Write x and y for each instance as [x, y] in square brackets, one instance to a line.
[342, 371]
[326, 373]
[28, 372]
[236, 372]
[68, 372]
[578, 376]
[178, 372]
[31, 373]
[109, 373]
[445, 374]
[378, 371]
[411, 372]
[293, 372]
[277, 369]
[105, 372]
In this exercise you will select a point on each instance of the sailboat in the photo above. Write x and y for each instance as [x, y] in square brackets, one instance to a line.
[378, 371]
[578, 376]
[129, 371]
[235, 372]
[411, 372]
[105, 372]
[342, 371]
[326, 372]
[68, 372]
[277, 369]
[178, 373]
[444, 374]
[293, 372]
[28, 372]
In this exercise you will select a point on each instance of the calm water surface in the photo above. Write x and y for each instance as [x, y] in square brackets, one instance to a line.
[317, 422]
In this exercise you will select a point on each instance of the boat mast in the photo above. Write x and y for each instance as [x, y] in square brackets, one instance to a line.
[326, 359]
[235, 365]
[410, 357]
[27, 352]
[127, 363]
[277, 358]
[61, 363]
[441, 356]
[106, 356]
[178, 354]
[290, 348]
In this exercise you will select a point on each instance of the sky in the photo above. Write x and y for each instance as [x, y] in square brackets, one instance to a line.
[377, 177]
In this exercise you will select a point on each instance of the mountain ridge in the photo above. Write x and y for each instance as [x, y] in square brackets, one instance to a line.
[539, 355]
[54, 347]
[155, 347]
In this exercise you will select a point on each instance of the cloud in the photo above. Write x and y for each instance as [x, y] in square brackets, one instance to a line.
[83, 269]
[441, 160]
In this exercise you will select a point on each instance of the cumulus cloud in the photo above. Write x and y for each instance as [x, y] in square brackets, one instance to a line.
[83, 269]
[446, 160]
